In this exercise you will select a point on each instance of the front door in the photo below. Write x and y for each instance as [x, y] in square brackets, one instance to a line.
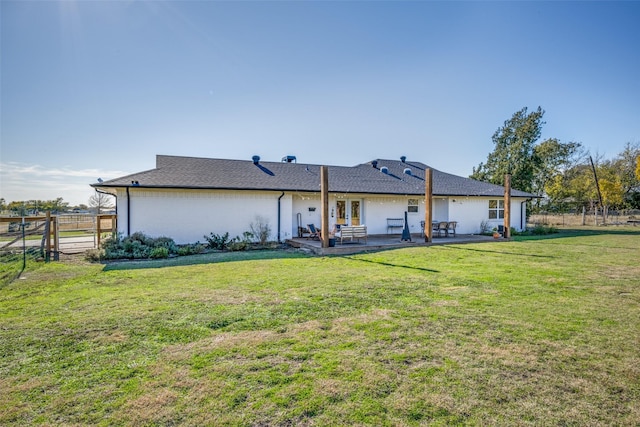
[348, 212]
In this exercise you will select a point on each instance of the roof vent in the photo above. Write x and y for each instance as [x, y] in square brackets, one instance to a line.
[407, 171]
[374, 163]
[256, 159]
[403, 158]
[289, 159]
[384, 169]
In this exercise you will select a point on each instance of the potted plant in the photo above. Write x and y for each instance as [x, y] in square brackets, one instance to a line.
[496, 235]
[332, 237]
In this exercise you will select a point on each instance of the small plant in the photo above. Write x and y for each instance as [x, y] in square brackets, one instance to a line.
[159, 252]
[93, 255]
[260, 229]
[484, 227]
[242, 244]
[218, 241]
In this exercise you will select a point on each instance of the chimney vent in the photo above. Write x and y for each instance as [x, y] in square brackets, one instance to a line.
[289, 159]
[403, 158]
[374, 164]
[256, 159]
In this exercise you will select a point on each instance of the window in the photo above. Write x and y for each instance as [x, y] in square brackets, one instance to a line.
[412, 205]
[496, 209]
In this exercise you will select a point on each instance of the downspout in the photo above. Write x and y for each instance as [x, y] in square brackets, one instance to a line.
[128, 213]
[279, 210]
[523, 223]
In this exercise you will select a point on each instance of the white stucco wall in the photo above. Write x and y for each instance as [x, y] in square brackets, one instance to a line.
[301, 204]
[188, 215]
[470, 212]
[374, 211]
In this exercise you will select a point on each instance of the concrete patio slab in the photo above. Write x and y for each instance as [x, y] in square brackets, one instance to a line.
[382, 242]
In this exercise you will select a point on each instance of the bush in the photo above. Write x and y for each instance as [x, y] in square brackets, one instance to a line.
[159, 252]
[218, 241]
[94, 255]
[196, 248]
[185, 250]
[260, 230]
[137, 246]
[165, 242]
[540, 230]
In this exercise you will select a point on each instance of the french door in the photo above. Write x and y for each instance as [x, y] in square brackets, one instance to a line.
[348, 212]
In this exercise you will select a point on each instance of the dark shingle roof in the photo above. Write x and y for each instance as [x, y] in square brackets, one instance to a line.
[204, 173]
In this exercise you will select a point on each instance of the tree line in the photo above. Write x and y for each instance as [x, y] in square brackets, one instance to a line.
[99, 202]
[564, 175]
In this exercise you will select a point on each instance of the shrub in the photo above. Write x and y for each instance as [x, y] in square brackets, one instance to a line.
[218, 241]
[165, 242]
[137, 246]
[159, 252]
[260, 229]
[196, 248]
[540, 230]
[185, 250]
[94, 255]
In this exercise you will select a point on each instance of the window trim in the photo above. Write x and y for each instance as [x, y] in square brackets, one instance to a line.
[496, 211]
[413, 207]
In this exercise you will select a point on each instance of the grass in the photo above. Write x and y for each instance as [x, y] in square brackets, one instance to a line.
[536, 331]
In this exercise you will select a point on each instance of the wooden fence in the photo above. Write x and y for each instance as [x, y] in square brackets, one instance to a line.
[50, 226]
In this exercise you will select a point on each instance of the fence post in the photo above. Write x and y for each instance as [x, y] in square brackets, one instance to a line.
[47, 232]
[98, 227]
[56, 239]
[24, 246]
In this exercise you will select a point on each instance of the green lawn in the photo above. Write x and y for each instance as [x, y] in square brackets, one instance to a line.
[536, 331]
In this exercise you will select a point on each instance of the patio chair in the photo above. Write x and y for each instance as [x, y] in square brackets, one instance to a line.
[451, 227]
[442, 227]
[314, 233]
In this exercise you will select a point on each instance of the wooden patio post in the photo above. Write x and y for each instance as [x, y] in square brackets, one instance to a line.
[507, 206]
[428, 203]
[324, 203]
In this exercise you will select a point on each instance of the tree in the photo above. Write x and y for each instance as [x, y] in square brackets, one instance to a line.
[54, 206]
[514, 151]
[33, 207]
[625, 166]
[100, 202]
[618, 179]
[552, 159]
[573, 188]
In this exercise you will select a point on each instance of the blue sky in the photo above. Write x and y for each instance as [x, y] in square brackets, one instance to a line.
[96, 89]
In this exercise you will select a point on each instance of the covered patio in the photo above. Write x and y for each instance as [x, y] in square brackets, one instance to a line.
[383, 242]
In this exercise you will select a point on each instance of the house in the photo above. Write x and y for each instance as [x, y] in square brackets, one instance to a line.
[186, 197]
